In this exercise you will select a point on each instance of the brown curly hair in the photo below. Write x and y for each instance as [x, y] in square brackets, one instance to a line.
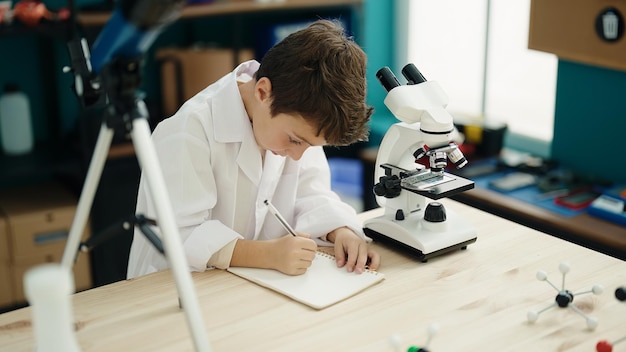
[319, 73]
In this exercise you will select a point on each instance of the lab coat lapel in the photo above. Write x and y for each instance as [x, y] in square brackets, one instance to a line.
[249, 158]
[272, 170]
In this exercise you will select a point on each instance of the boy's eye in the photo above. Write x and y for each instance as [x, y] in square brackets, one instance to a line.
[293, 141]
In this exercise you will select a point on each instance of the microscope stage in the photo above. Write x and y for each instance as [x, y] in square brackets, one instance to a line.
[445, 186]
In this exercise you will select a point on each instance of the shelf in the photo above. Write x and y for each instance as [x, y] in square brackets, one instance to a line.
[50, 29]
[218, 8]
[583, 229]
[45, 162]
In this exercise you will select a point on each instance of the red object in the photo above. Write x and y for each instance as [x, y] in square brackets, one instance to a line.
[604, 346]
[63, 14]
[467, 149]
[577, 200]
[31, 12]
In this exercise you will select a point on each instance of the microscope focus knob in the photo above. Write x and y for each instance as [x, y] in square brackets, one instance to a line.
[435, 212]
[388, 187]
[379, 189]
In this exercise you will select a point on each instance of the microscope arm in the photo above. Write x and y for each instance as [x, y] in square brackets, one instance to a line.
[397, 148]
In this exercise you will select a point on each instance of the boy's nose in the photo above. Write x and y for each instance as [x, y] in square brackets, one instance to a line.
[296, 153]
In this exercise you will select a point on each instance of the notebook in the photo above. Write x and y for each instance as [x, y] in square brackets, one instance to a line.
[323, 284]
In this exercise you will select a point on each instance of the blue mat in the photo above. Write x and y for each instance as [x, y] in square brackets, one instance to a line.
[529, 194]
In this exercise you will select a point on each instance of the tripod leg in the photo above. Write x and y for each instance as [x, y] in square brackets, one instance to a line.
[105, 136]
[149, 163]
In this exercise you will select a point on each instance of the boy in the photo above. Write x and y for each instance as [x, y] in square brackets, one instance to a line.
[257, 134]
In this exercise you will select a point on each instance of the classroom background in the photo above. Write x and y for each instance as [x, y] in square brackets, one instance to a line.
[38, 188]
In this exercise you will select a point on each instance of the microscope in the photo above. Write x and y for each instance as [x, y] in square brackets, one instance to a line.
[425, 131]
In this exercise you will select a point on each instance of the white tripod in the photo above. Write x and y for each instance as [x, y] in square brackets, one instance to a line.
[134, 115]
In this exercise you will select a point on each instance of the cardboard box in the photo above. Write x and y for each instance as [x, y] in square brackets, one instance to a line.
[185, 72]
[6, 278]
[38, 221]
[589, 32]
[7, 298]
[4, 238]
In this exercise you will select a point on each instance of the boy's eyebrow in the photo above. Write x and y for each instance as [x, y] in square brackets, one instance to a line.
[303, 139]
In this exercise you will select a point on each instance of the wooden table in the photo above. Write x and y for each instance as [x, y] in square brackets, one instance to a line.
[479, 298]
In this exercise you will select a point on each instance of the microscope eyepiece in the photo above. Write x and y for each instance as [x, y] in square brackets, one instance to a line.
[412, 74]
[387, 78]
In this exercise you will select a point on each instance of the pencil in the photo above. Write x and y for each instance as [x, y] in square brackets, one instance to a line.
[280, 218]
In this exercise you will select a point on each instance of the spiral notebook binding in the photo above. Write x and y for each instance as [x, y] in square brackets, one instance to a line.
[330, 256]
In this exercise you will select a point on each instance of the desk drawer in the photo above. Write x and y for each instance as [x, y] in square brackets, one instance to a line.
[6, 279]
[37, 222]
[4, 239]
[40, 233]
[6, 284]
[39, 219]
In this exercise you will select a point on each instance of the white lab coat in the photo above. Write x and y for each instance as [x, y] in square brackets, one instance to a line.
[213, 171]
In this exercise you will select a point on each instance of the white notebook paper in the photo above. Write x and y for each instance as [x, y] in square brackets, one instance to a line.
[322, 285]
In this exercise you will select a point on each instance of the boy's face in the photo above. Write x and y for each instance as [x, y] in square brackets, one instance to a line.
[283, 134]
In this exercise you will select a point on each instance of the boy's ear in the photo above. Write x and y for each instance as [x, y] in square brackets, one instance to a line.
[263, 89]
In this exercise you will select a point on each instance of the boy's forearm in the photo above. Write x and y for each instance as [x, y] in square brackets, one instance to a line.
[253, 254]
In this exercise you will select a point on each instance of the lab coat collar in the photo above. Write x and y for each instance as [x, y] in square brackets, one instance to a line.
[236, 127]
[227, 101]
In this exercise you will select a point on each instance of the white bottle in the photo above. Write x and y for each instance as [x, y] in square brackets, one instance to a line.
[48, 288]
[15, 121]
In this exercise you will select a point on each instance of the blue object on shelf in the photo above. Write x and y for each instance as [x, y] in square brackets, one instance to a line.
[529, 194]
[609, 208]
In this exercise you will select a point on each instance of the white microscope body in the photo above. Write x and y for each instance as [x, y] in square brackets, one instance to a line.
[426, 130]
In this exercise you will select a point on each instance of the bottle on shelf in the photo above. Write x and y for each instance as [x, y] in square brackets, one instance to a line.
[16, 130]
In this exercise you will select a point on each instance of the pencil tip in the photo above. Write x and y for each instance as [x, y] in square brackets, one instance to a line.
[265, 201]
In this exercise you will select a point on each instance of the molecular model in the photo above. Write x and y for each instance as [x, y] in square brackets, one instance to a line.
[395, 340]
[564, 298]
[605, 346]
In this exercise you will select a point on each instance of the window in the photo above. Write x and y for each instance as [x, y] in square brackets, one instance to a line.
[478, 52]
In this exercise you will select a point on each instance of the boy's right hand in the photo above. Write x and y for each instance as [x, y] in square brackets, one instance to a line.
[293, 255]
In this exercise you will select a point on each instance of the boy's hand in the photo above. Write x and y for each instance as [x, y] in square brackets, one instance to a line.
[352, 251]
[293, 255]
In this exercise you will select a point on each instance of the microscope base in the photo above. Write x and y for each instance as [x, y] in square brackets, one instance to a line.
[421, 241]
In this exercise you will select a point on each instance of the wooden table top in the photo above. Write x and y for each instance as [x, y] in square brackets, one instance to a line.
[478, 297]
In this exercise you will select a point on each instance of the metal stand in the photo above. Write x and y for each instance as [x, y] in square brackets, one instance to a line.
[130, 112]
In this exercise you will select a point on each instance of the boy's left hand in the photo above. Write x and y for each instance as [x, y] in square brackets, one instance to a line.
[353, 252]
